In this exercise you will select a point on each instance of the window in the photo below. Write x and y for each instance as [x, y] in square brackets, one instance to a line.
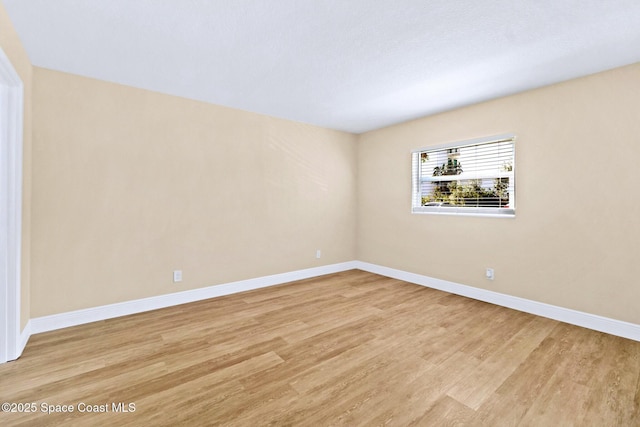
[473, 177]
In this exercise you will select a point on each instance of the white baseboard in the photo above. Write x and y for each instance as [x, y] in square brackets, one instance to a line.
[574, 317]
[79, 317]
[24, 338]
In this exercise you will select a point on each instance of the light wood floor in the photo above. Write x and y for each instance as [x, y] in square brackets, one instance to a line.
[349, 349]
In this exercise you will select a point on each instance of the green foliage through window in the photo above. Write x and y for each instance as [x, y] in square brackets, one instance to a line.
[470, 193]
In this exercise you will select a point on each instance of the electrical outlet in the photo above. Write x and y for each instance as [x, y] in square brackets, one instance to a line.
[177, 276]
[318, 253]
[489, 273]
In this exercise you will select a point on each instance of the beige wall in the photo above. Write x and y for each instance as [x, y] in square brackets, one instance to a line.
[12, 47]
[129, 185]
[574, 241]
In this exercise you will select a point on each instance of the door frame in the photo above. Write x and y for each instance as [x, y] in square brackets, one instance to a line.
[11, 132]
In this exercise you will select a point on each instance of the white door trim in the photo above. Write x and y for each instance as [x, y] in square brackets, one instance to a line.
[11, 119]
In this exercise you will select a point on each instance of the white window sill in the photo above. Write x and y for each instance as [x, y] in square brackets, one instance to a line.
[483, 212]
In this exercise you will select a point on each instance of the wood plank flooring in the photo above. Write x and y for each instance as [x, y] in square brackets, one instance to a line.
[351, 349]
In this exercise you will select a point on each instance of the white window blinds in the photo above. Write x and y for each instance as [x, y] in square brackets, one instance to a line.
[473, 177]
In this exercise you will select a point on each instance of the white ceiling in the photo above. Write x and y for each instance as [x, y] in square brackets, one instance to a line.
[352, 65]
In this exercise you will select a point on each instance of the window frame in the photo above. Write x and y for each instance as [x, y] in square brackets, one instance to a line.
[417, 180]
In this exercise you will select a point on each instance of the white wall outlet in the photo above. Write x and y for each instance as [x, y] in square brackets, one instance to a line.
[177, 276]
[318, 253]
[489, 273]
